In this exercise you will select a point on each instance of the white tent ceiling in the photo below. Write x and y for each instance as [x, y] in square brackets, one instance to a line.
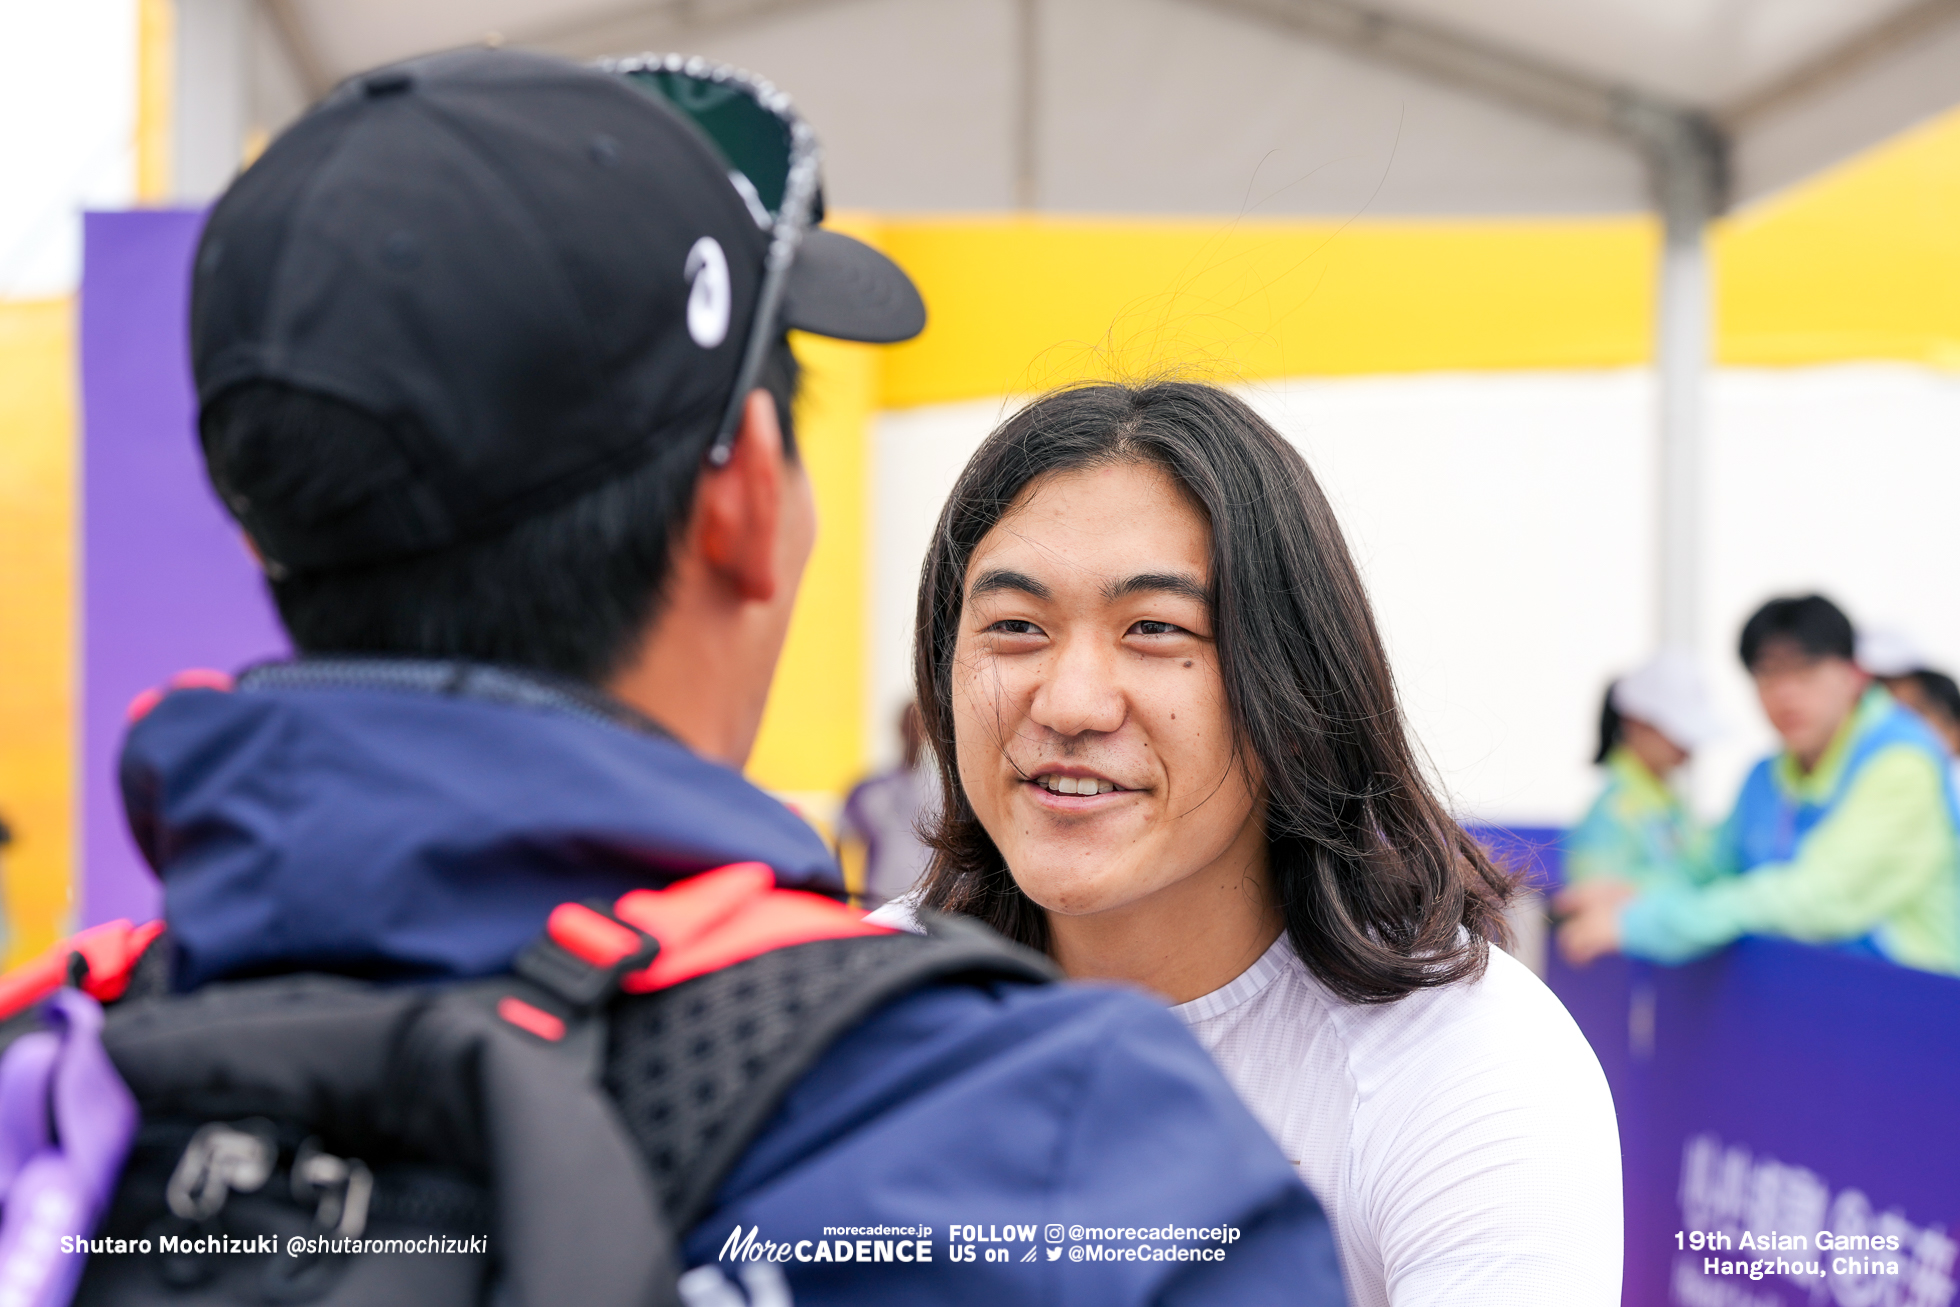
[1710, 53]
[1792, 85]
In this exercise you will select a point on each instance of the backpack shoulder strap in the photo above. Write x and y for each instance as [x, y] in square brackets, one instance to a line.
[99, 961]
[697, 1069]
[718, 994]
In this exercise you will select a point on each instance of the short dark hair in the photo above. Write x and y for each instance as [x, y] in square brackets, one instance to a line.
[1810, 622]
[568, 591]
[1610, 727]
[1382, 891]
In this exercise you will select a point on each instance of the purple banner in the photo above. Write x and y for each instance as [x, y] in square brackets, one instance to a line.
[1789, 1118]
[1790, 1121]
[166, 583]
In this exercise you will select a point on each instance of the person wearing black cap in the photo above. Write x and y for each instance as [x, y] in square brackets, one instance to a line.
[492, 370]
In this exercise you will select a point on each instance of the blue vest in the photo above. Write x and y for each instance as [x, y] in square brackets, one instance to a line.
[1769, 824]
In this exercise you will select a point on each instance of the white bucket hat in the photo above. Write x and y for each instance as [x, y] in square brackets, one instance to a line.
[1668, 694]
[1884, 651]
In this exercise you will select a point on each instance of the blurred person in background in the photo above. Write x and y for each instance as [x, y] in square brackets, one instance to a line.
[1935, 696]
[878, 831]
[1897, 663]
[1848, 837]
[1638, 830]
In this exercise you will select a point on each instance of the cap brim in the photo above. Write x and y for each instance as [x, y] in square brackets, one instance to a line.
[843, 288]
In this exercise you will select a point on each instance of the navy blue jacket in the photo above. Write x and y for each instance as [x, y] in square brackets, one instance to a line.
[1053, 1144]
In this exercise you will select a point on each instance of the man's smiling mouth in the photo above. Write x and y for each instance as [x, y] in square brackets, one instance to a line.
[1075, 784]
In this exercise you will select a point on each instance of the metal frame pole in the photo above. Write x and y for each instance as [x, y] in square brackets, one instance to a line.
[1027, 105]
[1681, 350]
[213, 94]
[1688, 160]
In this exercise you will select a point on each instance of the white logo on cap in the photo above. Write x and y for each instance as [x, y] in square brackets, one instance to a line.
[709, 300]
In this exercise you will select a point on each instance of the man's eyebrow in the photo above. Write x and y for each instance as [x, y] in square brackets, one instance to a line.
[1176, 583]
[999, 579]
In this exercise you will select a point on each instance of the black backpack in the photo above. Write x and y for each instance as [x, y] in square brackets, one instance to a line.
[531, 1140]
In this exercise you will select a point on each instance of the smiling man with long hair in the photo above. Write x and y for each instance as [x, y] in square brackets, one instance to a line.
[1171, 755]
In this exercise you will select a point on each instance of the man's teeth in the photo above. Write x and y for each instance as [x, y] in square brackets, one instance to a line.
[1075, 785]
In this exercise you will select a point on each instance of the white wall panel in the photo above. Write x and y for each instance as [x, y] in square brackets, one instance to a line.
[68, 102]
[1502, 523]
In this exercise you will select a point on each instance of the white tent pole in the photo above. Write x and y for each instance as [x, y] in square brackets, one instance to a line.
[1687, 158]
[1681, 350]
[1027, 106]
[212, 94]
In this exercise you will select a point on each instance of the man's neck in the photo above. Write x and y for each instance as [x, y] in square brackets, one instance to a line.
[705, 662]
[703, 673]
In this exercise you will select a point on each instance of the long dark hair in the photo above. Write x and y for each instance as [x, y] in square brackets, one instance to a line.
[1382, 891]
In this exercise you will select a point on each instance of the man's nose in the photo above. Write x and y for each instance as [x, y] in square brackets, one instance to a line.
[1080, 692]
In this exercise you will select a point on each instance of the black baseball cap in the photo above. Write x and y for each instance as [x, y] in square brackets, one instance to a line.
[534, 274]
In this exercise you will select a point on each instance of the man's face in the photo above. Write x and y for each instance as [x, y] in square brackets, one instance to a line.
[1653, 748]
[1806, 697]
[1090, 722]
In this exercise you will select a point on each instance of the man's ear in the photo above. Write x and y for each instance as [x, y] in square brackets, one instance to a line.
[738, 508]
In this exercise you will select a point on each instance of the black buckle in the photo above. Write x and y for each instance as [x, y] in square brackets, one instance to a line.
[578, 981]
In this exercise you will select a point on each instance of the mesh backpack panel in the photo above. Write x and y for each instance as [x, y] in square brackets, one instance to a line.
[558, 1166]
[698, 1069]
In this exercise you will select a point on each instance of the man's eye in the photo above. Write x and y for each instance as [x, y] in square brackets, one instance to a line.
[1156, 628]
[1014, 626]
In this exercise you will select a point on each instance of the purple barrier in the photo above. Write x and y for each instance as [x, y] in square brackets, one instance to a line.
[166, 583]
[1768, 1095]
[1533, 850]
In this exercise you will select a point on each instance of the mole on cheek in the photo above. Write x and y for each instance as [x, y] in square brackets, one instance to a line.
[1187, 662]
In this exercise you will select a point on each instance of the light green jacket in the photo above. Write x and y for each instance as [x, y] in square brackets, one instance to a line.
[1637, 830]
[1879, 872]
